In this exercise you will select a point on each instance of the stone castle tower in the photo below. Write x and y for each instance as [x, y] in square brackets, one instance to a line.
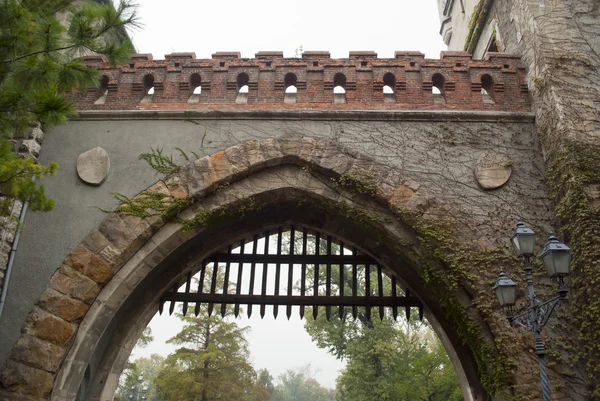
[559, 44]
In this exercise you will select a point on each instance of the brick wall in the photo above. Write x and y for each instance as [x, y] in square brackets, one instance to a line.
[125, 89]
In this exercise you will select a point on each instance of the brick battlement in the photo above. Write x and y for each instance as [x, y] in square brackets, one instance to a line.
[409, 80]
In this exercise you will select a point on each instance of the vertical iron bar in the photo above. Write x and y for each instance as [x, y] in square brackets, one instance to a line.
[328, 279]
[252, 272]
[226, 283]
[532, 309]
[200, 286]
[290, 275]
[407, 307]
[394, 295]
[316, 283]
[188, 282]
[342, 268]
[303, 273]
[368, 290]
[213, 286]
[380, 290]
[277, 272]
[263, 289]
[238, 285]
[354, 285]
[172, 306]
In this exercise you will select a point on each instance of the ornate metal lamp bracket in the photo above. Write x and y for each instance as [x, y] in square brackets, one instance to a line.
[542, 312]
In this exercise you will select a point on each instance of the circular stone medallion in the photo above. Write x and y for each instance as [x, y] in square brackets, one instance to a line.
[493, 170]
[93, 166]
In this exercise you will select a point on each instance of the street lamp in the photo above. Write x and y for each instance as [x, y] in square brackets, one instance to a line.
[557, 260]
[138, 392]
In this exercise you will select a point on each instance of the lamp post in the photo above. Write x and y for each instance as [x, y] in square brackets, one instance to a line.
[138, 392]
[556, 257]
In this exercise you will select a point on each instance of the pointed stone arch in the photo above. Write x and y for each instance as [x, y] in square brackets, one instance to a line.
[96, 305]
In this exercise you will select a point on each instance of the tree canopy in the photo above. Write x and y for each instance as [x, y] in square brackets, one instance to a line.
[41, 47]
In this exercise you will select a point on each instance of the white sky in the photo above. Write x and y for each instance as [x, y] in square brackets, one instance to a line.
[336, 26]
[274, 25]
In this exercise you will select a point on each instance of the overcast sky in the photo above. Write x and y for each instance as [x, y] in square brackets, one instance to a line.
[205, 27]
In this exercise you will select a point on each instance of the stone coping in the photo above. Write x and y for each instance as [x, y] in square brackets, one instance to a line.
[337, 115]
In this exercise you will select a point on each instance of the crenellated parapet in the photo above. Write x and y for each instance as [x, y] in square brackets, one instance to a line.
[408, 81]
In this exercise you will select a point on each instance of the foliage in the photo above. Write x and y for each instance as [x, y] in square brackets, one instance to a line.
[386, 363]
[40, 61]
[446, 266]
[148, 204]
[160, 162]
[298, 385]
[570, 172]
[212, 362]
[145, 339]
[16, 180]
[144, 368]
[476, 24]
[386, 360]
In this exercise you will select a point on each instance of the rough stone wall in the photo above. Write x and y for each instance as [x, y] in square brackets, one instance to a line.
[434, 157]
[315, 72]
[560, 46]
[38, 353]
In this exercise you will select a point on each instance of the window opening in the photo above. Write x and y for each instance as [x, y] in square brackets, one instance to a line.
[389, 83]
[148, 82]
[242, 85]
[291, 90]
[487, 88]
[195, 88]
[339, 88]
[102, 90]
[437, 89]
[493, 46]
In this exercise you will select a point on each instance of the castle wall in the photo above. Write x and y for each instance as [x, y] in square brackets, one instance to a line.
[364, 75]
[436, 156]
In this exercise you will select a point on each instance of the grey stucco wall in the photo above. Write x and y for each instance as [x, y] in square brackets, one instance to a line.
[436, 159]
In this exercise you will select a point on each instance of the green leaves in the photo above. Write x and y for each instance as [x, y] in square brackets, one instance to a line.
[39, 64]
[40, 58]
[212, 362]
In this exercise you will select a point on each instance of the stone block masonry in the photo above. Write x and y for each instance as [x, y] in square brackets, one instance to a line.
[172, 83]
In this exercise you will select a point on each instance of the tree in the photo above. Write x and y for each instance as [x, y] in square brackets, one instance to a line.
[41, 44]
[212, 363]
[264, 380]
[147, 369]
[298, 385]
[386, 360]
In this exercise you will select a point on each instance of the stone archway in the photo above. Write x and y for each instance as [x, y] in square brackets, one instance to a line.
[106, 291]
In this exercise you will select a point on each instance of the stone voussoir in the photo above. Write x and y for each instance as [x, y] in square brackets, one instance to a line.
[99, 270]
[176, 189]
[22, 379]
[37, 353]
[255, 155]
[95, 241]
[236, 155]
[78, 258]
[77, 285]
[271, 150]
[290, 147]
[221, 167]
[63, 306]
[117, 232]
[48, 327]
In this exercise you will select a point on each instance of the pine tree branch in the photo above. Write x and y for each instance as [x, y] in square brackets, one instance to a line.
[36, 53]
